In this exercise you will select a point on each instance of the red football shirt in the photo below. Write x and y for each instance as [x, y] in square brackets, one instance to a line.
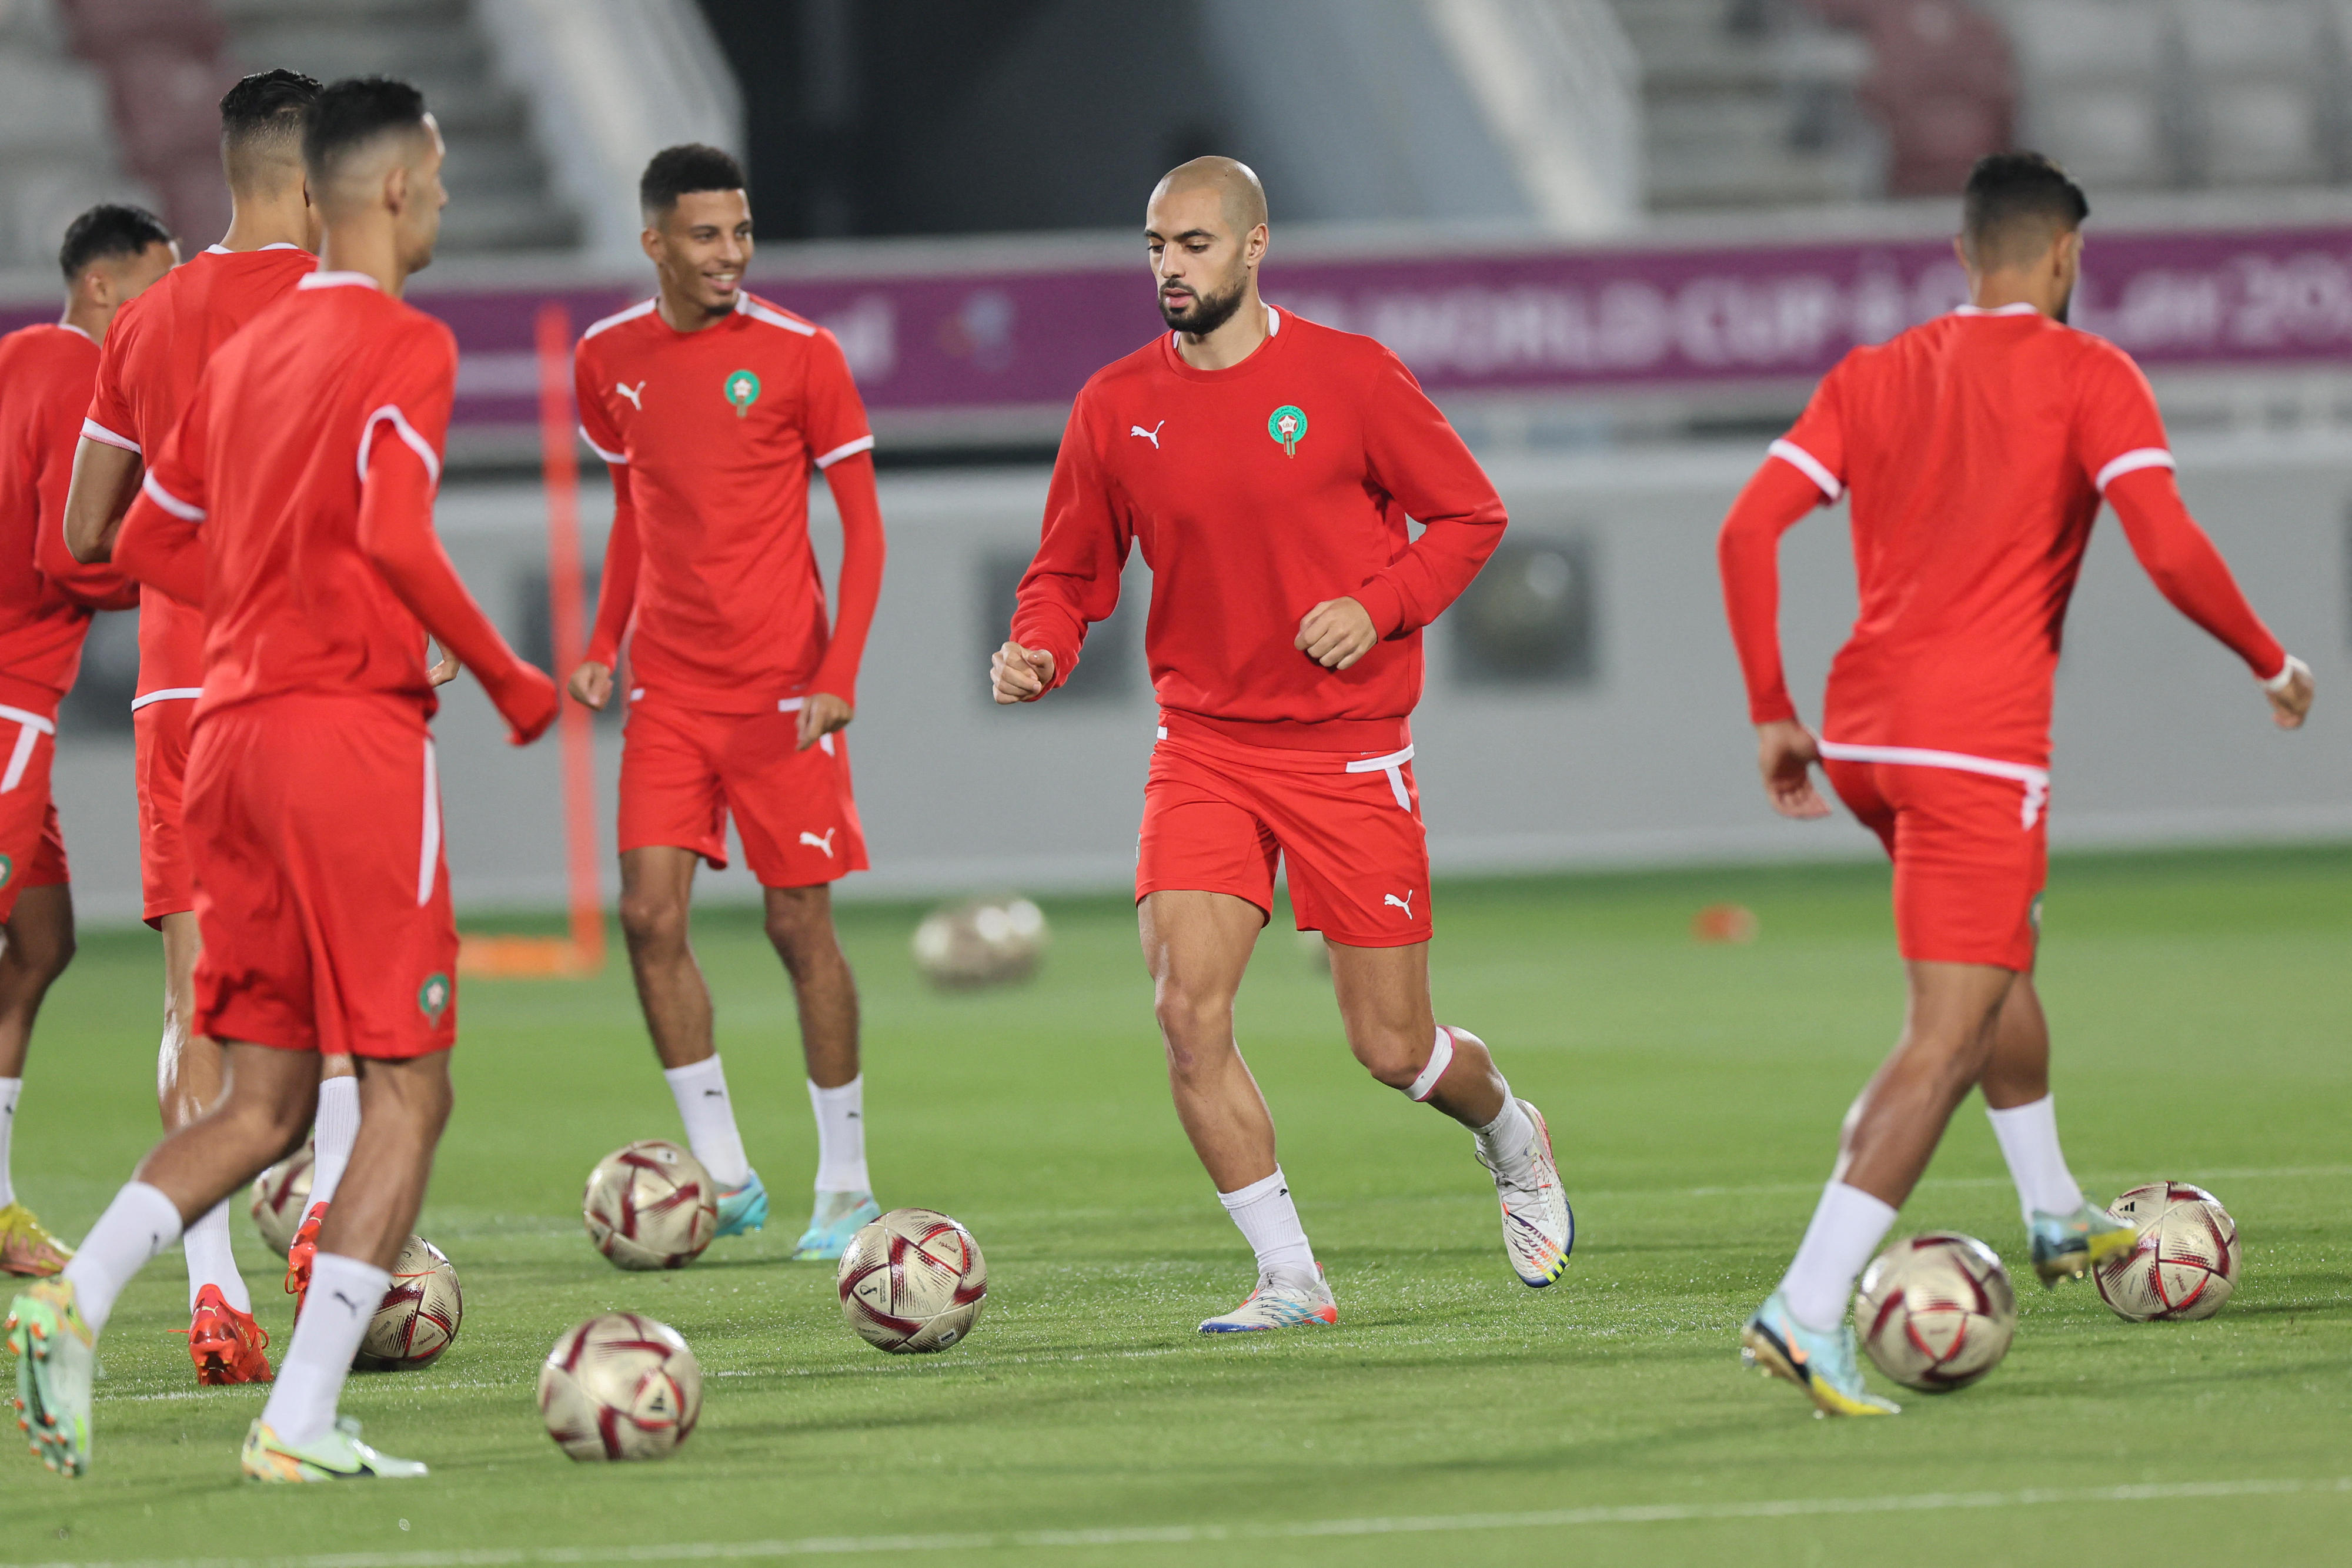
[156, 349]
[270, 459]
[1976, 448]
[713, 436]
[45, 597]
[1257, 493]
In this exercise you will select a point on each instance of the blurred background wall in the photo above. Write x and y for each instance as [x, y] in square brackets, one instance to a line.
[1618, 239]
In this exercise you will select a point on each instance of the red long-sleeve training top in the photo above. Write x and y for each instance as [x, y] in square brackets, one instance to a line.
[1257, 493]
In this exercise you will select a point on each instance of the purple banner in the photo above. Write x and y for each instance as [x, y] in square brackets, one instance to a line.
[1566, 321]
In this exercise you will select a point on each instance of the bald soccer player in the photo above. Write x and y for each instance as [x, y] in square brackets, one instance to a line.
[1267, 467]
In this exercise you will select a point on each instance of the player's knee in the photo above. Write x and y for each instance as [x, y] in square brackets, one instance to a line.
[1393, 1057]
[652, 922]
[800, 928]
[1195, 1022]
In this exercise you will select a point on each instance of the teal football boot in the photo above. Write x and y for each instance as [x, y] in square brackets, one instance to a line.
[2069, 1246]
[838, 1216]
[743, 1208]
[1823, 1365]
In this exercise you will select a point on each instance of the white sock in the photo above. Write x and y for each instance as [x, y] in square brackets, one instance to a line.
[139, 1223]
[1847, 1228]
[344, 1295]
[9, 1089]
[338, 1128]
[212, 1261]
[2028, 1141]
[700, 1091]
[841, 1136]
[1508, 1141]
[1269, 1223]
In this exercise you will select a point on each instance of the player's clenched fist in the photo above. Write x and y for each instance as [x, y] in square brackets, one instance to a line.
[1785, 754]
[1336, 633]
[1020, 674]
[2291, 698]
[591, 685]
[525, 697]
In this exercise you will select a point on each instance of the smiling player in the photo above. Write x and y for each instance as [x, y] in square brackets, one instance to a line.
[713, 408]
[1268, 466]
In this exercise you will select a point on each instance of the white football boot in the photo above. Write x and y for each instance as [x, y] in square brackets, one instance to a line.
[1538, 1226]
[1285, 1298]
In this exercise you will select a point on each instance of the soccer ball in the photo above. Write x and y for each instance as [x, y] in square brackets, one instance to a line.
[620, 1387]
[280, 1195]
[419, 1314]
[2185, 1265]
[1936, 1313]
[983, 942]
[650, 1206]
[912, 1281]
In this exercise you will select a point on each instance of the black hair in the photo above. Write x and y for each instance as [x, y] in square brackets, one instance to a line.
[353, 112]
[271, 106]
[2008, 189]
[108, 230]
[683, 170]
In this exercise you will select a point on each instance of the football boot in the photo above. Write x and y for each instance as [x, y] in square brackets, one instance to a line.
[55, 1358]
[26, 1249]
[744, 1208]
[837, 1216]
[2069, 1246]
[1285, 1298]
[1538, 1226]
[1823, 1365]
[339, 1456]
[225, 1344]
[301, 1253]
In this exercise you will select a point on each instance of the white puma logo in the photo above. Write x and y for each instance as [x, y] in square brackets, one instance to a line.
[824, 843]
[1152, 436]
[1404, 903]
[635, 394]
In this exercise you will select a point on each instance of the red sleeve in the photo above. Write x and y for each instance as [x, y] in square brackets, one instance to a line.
[832, 416]
[595, 419]
[1815, 445]
[162, 543]
[616, 598]
[1416, 456]
[400, 458]
[2187, 570]
[1074, 580]
[862, 549]
[1747, 552]
[109, 406]
[2118, 428]
[101, 586]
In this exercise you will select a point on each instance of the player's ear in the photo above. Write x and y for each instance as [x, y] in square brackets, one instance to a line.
[651, 240]
[395, 188]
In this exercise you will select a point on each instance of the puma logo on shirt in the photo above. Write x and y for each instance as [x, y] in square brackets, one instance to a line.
[635, 394]
[1404, 903]
[1152, 436]
[824, 843]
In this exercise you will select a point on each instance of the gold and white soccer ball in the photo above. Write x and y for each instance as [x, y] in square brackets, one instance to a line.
[1936, 1312]
[2185, 1264]
[620, 1387]
[912, 1281]
[980, 942]
[650, 1206]
[280, 1195]
[419, 1314]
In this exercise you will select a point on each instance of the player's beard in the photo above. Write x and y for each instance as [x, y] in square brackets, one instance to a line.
[1207, 312]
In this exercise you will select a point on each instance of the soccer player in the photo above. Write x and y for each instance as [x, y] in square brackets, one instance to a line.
[1977, 449]
[1268, 466]
[110, 253]
[713, 407]
[295, 502]
[145, 379]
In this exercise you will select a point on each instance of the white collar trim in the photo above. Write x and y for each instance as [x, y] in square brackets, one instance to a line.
[339, 280]
[1273, 326]
[71, 328]
[2017, 308]
[274, 245]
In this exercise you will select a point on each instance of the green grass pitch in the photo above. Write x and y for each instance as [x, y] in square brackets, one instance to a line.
[2200, 1003]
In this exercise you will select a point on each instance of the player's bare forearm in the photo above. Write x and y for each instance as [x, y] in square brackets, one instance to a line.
[1336, 633]
[821, 713]
[105, 482]
[1785, 754]
[1019, 674]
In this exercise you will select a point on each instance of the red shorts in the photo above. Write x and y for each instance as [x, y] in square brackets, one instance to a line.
[32, 851]
[321, 893]
[683, 770]
[159, 729]
[1219, 815]
[1971, 853]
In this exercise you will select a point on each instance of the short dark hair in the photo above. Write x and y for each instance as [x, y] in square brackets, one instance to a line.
[108, 230]
[353, 112]
[268, 106]
[683, 170]
[2008, 189]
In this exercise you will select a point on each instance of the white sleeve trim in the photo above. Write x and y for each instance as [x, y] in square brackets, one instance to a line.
[390, 414]
[617, 457]
[167, 695]
[2132, 462]
[2286, 678]
[1811, 467]
[97, 432]
[846, 449]
[183, 510]
[758, 312]
[643, 307]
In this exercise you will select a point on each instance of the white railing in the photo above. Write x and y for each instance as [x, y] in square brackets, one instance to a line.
[612, 82]
[1560, 90]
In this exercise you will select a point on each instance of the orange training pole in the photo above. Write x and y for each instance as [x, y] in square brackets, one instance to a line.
[566, 585]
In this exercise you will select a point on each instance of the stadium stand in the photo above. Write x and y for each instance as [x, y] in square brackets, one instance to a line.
[57, 151]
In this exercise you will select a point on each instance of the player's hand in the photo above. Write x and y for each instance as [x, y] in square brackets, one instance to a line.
[445, 670]
[526, 699]
[1785, 754]
[1019, 674]
[821, 713]
[1336, 633]
[591, 685]
[2292, 701]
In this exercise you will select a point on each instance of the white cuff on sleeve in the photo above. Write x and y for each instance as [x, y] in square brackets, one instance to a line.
[2286, 678]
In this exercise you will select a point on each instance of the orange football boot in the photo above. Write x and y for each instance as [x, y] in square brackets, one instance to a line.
[225, 1344]
[300, 1255]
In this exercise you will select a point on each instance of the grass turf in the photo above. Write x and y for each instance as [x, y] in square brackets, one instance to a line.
[2198, 1002]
